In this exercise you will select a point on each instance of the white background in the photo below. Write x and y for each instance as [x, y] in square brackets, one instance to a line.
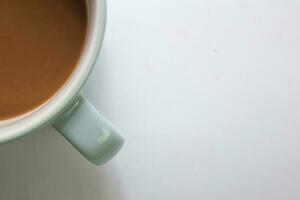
[207, 94]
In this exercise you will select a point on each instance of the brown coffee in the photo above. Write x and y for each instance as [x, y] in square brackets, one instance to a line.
[40, 44]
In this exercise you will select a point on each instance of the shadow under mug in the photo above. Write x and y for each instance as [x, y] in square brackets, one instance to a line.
[71, 113]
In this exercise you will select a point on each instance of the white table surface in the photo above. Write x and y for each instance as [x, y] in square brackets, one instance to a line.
[207, 94]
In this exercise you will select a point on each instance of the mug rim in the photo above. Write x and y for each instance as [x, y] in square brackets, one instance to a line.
[60, 101]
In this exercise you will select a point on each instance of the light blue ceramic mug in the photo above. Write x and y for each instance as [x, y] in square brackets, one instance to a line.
[68, 111]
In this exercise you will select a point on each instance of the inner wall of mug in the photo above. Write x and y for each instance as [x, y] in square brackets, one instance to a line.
[22, 116]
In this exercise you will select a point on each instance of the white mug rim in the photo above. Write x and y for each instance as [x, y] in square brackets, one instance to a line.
[57, 104]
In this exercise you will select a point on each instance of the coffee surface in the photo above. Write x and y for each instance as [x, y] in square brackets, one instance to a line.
[40, 44]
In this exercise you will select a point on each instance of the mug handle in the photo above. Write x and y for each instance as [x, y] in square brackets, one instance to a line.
[89, 132]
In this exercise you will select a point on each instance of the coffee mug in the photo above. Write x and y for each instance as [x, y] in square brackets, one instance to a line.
[69, 112]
